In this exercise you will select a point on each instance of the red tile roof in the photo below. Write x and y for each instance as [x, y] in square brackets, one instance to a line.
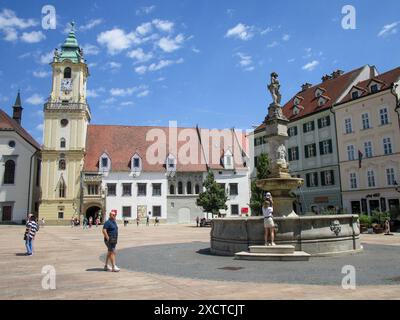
[386, 79]
[9, 124]
[332, 89]
[122, 142]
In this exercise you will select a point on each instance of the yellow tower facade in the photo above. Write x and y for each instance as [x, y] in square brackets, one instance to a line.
[66, 117]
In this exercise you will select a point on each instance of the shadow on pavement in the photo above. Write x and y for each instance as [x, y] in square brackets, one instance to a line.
[95, 270]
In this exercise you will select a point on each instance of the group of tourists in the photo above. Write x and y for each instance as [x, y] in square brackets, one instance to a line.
[138, 219]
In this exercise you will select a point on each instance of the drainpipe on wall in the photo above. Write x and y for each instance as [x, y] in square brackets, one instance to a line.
[29, 184]
[397, 108]
[337, 152]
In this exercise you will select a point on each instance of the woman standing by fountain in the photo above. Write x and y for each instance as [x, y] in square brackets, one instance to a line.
[269, 225]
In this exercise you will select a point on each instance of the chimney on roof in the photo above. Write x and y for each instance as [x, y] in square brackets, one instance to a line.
[305, 86]
[337, 73]
[326, 77]
[17, 109]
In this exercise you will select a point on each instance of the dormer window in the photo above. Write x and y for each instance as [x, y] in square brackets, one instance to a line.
[321, 101]
[228, 160]
[374, 88]
[354, 95]
[296, 111]
[171, 163]
[297, 100]
[318, 92]
[105, 162]
[136, 163]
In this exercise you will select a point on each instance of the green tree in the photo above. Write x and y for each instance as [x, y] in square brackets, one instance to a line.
[213, 198]
[257, 194]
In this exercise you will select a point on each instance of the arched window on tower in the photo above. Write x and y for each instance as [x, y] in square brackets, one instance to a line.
[180, 187]
[188, 187]
[9, 172]
[171, 189]
[62, 143]
[197, 189]
[67, 73]
[61, 162]
[61, 188]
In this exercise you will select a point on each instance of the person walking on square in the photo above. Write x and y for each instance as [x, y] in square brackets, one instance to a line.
[30, 233]
[137, 221]
[72, 222]
[85, 223]
[148, 219]
[97, 221]
[197, 221]
[43, 222]
[156, 221]
[110, 233]
[269, 225]
[90, 221]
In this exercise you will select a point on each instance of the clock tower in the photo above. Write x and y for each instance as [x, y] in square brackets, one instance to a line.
[66, 117]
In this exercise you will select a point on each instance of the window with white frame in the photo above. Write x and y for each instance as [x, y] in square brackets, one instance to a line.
[310, 150]
[350, 153]
[387, 146]
[348, 126]
[171, 163]
[293, 153]
[390, 176]
[368, 149]
[353, 180]
[104, 162]
[365, 121]
[327, 178]
[325, 147]
[292, 131]
[383, 114]
[371, 178]
[136, 163]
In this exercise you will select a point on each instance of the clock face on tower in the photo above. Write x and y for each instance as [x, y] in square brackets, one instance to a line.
[66, 84]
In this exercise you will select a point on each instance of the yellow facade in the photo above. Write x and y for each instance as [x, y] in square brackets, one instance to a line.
[66, 116]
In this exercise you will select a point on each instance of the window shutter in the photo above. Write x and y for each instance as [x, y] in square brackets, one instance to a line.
[308, 180]
[323, 183]
[290, 154]
[312, 126]
[304, 127]
[328, 120]
[330, 146]
[297, 153]
[319, 124]
[305, 151]
[295, 130]
[316, 179]
[333, 177]
[321, 148]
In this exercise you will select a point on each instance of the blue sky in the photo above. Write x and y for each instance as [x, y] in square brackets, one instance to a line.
[198, 62]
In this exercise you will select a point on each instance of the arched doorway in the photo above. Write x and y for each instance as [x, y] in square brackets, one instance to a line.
[93, 211]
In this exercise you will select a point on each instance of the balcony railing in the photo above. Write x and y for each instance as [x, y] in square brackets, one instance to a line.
[65, 106]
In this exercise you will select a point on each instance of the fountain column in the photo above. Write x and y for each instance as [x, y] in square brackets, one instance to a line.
[279, 183]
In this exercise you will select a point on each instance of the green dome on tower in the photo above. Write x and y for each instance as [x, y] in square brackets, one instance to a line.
[70, 49]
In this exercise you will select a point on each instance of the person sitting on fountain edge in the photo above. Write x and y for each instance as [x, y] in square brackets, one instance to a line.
[269, 225]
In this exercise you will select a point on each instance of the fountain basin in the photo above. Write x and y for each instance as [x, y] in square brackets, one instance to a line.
[315, 235]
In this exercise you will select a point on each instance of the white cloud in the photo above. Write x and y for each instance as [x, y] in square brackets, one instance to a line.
[145, 10]
[163, 64]
[94, 93]
[126, 103]
[120, 92]
[92, 65]
[47, 57]
[143, 94]
[113, 65]
[110, 100]
[35, 99]
[265, 31]
[33, 37]
[195, 50]
[311, 65]
[240, 31]
[8, 19]
[41, 74]
[141, 69]
[91, 24]
[139, 55]
[144, 28]
[116, 40]
[389, 29]
[286, 37]
[163, 25]
[291, 60]
[272, 44]
[246, 61]
[40, 127]
[90, 49]
[10, 34]
[171, 44]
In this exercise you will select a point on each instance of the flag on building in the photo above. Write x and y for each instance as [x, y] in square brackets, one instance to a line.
[360, 156]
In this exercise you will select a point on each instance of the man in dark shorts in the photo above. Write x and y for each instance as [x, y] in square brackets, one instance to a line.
[110, 232]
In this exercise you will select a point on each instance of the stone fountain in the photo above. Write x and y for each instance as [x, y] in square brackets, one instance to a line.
[297, 237]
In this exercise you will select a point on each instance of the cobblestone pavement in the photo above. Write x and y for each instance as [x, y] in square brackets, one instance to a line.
[76, 255]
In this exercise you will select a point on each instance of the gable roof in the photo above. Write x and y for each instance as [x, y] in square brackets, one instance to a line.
[9, 124]
[332, 89]
[385, 79]
[121, 142]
